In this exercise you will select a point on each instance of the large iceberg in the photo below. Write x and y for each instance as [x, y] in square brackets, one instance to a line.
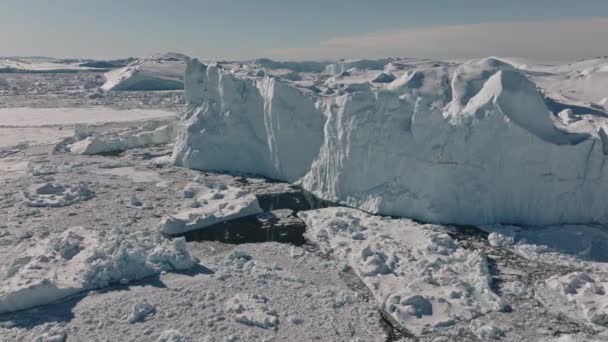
[467, 144]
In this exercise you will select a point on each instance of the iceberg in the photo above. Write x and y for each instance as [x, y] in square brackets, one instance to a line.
[149, 74]
[472, 143]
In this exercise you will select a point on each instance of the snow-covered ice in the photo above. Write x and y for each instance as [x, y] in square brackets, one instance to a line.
[215, 203]
[78, 260]
[125, 141]
[417, 273]
[65, 116]
[40, 66]
[56, 195]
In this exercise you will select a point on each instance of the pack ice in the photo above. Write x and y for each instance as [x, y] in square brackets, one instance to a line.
[471, 143]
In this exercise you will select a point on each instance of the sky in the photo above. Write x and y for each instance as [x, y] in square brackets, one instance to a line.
[305, 29]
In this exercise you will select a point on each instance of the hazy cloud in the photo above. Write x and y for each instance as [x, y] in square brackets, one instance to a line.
[551, 40]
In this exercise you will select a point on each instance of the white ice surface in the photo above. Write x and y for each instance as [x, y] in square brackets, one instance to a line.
[64, 116]
[417, 273]
[137, 175]
[129, 140]
[10, 136]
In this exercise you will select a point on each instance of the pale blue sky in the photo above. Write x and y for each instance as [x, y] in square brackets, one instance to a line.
[242, 29]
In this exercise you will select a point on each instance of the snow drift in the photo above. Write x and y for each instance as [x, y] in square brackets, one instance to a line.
[472, 144]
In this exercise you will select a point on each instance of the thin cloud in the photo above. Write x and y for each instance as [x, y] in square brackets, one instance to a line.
[549, 40]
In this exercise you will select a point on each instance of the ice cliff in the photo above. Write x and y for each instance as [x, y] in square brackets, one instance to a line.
[471, 144]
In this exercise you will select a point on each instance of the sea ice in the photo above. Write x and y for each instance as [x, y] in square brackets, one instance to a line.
[417, 273]
[56, 195]
[216, 203]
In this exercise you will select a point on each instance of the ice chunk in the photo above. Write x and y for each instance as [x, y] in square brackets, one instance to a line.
[153, 74]
[56, 195]
[78, 260]
[140, 311]
[587, 293]
[215, 203]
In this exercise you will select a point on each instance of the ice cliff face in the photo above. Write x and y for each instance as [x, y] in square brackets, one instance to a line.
[472, 144]
[259, 126]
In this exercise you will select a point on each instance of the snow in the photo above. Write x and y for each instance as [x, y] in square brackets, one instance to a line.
[450, 151]
[56, 195]
[78, 260]
[14, 65]
[12, 168]
[136, 175]
[152, 74]
[216, 203]
[172, 335]
[298, 66]
[252, 309]
[64, 116]
[583, 291]
[129, 140]
[141, 311]
[417, 273]
[584, 242]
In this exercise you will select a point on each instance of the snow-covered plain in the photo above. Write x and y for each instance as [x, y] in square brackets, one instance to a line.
[91, 201]
[64, 116]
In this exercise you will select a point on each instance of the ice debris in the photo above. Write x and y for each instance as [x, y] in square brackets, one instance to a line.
[79, 259]
[96, 144]
[56, 195]
[252, 309]
[151, 74]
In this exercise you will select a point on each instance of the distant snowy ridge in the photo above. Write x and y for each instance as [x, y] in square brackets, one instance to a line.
[470, 144]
